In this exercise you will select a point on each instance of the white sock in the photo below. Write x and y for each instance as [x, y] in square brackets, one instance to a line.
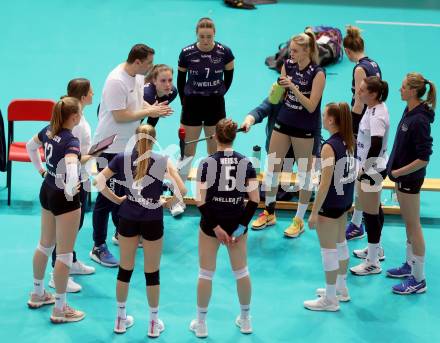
[341, 281]
[244, 311]
[409, 252]
[418, 270]
[201, 313]
[39, 287]
[270, 199]
[122, 312]
[301, 210]
[60, 301]
[330, 291]
[373, 253]
[356, 219]
[154, 313]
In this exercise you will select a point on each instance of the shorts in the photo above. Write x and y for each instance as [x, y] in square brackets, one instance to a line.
[151, 230]
[203, 110]
[54, 200]
[229, 227]
[294, 131]
[364, 176]
[410, 186]
[333, 213]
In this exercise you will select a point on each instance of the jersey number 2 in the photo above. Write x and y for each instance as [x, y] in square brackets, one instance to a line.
[48, 150]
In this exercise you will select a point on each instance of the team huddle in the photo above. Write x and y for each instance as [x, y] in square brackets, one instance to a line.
[352, 164]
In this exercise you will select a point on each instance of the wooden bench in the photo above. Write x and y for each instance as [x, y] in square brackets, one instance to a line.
[432, 185]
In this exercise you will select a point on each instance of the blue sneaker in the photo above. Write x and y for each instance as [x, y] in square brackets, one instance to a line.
[410, 286]
[103, 256]
[403, 271]
[354, 232]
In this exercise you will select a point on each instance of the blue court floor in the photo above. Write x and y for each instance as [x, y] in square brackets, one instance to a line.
[46, 43]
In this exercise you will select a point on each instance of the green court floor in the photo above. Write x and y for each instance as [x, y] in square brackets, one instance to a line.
[46, 43]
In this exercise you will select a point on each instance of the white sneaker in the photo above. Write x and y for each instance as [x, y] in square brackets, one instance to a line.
[155, 328]
[322, 304]
[177, 209]
[80, 268]
[362, 253]
[199, 328]
[366, 268]
[244, 324]
[341, 294]
[121, 324]
[72, 286]
[115, 240]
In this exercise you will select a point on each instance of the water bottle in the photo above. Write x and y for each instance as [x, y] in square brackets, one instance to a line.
[276, 93]
[256, 158]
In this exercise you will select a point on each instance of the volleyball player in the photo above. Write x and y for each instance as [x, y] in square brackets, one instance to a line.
[122, 107]
[372, 155]
[140, 215]
[333, 199]
[296, 125]
[354, 47]
[407, 167]
[159, 88]
[224, 179]
[60, 206]
[82, 90]
[209, 66]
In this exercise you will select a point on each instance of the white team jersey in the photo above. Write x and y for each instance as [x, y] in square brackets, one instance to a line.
[375, 122]
[121, 91]
[83, 132]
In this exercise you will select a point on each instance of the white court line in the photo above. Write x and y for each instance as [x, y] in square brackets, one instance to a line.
[398, 23]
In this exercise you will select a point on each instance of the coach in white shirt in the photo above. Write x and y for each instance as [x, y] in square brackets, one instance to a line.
[121, 110]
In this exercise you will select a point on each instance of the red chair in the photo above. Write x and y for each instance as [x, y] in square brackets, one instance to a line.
[24, 110]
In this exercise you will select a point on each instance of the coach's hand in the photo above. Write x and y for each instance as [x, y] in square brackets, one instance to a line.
[159, 110]
[222, 236]
[248, 122]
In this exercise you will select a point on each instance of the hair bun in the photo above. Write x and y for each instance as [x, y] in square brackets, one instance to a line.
[353, 31]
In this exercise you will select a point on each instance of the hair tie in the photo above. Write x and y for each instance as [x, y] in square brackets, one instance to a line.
[425, 81]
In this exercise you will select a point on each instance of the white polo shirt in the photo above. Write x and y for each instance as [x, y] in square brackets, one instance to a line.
[375, 122]
[121, 91]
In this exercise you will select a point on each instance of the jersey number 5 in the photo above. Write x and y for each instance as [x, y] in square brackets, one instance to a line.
[230, 180]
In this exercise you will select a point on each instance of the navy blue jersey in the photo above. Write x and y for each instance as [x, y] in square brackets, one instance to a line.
[371, 68]
[226, 174]
[293, 113]
[341, 190]
[143, 201]
[205, 69]
[150, 94]
[55, 149]
[413, 141]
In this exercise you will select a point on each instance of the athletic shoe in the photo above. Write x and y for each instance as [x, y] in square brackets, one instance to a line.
[67, 315]
[72, 286]
[410, 286]
[366, 268]
[200, 328]
[122, 324]
[264, 219]
[155, 328]
[103, 256]
[177, 209]
[362, 253]
[403, 271]
[244, 324]
[36, 301]
[295, 229]
[322, 304]
[79, 268]
[354, 232]
[341, 294]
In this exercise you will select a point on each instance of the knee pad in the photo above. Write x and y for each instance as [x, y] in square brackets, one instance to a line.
[342, 249]
[152, 279]
[241, 273]
[206, 274]
[46, 251]
[374, 227]
[67, 259]
[124, 275]
[330, 259]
